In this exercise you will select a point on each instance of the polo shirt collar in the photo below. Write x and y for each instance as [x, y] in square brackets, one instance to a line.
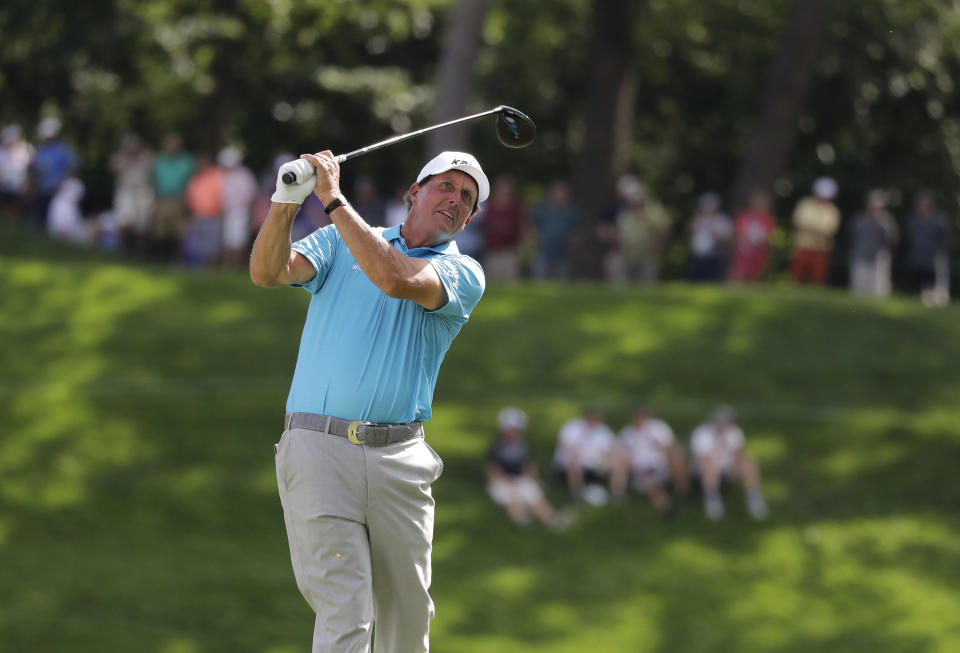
[393, 233]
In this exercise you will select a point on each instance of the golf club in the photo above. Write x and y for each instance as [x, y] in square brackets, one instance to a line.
[514, 129]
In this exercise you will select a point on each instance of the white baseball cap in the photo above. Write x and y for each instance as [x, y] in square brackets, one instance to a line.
[512, 418]
[458, 161]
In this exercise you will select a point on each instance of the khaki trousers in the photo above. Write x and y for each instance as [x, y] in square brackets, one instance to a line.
[360, 527]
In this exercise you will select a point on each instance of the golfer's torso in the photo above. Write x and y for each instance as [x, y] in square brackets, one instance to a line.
[364, 355]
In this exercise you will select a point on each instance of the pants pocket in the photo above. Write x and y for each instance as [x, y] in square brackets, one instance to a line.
[437, 460]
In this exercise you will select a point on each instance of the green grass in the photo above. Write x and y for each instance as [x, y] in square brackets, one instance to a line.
[138, 507]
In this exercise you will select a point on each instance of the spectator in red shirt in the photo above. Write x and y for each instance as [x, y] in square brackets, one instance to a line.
[505, 226]
[754, 228]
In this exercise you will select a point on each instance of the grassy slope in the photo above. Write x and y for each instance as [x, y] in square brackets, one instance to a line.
[137, 497]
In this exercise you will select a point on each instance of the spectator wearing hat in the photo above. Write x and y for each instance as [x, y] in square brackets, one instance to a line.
[754, 227]
[639, 232]
[238, 189]
[512, 477]
[927, 241]
[873, 235]
[815, 223]
[16, 155]
[53, 162]
[719, 453]
[588, 458]
[655, 458]
[711, 234]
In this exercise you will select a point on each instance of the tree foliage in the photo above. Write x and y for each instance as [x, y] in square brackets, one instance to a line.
[277, 75]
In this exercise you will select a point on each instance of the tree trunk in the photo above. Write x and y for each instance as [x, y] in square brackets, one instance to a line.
[785, 92]
[455, 73]
[607, 124]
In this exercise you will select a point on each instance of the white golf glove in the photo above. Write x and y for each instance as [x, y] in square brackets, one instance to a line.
[297, 192]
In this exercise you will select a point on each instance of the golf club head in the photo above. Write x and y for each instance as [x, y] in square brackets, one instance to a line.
[514, 128]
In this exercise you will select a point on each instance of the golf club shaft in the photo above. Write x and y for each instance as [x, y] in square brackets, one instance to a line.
[290, 178]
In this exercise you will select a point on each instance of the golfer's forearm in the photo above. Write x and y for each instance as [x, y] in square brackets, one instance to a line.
[392, 272]
[270, 259]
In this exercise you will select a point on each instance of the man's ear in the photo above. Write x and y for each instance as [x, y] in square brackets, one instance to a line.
[413, 192]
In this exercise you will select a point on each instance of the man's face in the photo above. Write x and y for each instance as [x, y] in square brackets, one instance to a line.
[444, 204]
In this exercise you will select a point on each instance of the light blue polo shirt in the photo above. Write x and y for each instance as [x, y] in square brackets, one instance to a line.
[364, 355]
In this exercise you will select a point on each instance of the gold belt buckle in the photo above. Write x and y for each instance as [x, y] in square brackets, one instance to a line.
[352, 432]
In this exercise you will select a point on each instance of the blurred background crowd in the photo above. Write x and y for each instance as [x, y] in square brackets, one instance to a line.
[203, 209]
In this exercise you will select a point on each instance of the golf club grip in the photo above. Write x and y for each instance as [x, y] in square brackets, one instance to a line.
[299, 171]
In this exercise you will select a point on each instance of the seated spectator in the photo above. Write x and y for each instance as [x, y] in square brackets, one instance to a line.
[927, 231]
[754, 227]
[815, 223]
[719, 452]
[654, 459]
[512, 478]
[64, 217]
[588, 458]
[711, 233]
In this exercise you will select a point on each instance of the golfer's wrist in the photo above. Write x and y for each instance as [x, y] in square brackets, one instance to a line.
[333, 201]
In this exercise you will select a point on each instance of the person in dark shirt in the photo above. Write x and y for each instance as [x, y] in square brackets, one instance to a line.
[927, 241]
[512, 479]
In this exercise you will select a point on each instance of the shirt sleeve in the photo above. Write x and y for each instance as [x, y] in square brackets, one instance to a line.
[319, 248]
[463, 282]
[735, 438]
[700, 442]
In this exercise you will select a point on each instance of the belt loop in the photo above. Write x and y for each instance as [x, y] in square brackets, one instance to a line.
[326, 424]
[287, 418]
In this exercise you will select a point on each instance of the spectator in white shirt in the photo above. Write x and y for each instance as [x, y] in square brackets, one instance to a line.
[654, 459]
[718, 448]
[588, 456]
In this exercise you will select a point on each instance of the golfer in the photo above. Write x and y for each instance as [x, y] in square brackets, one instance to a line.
[353, 468]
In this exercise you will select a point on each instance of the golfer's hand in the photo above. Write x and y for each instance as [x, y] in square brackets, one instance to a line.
[327, 176]
[291, 193]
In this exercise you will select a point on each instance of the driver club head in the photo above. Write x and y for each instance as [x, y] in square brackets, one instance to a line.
[514, 128]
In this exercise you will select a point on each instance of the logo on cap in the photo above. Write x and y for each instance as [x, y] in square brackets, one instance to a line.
[459, 162]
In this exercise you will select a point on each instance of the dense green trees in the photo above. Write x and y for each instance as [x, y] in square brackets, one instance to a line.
[693, 78]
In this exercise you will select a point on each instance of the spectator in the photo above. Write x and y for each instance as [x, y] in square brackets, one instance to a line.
[367, 201]
[555, 218]
[873, 234]
[642, 226]
[202, 245]
[754, 228]
[16, 154]
[172, 170]
[53, 162]
[815, 223]
[711, 233]
[654, 459]
[395, 209]
[64, 218]
[133, 195]
[587, 458]
[504, 228]
[927, 232]
[239, 190]
[719, 452]
[512, 478]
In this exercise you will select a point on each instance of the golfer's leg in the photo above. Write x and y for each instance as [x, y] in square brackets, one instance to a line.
[320, 478]
[400, 522]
